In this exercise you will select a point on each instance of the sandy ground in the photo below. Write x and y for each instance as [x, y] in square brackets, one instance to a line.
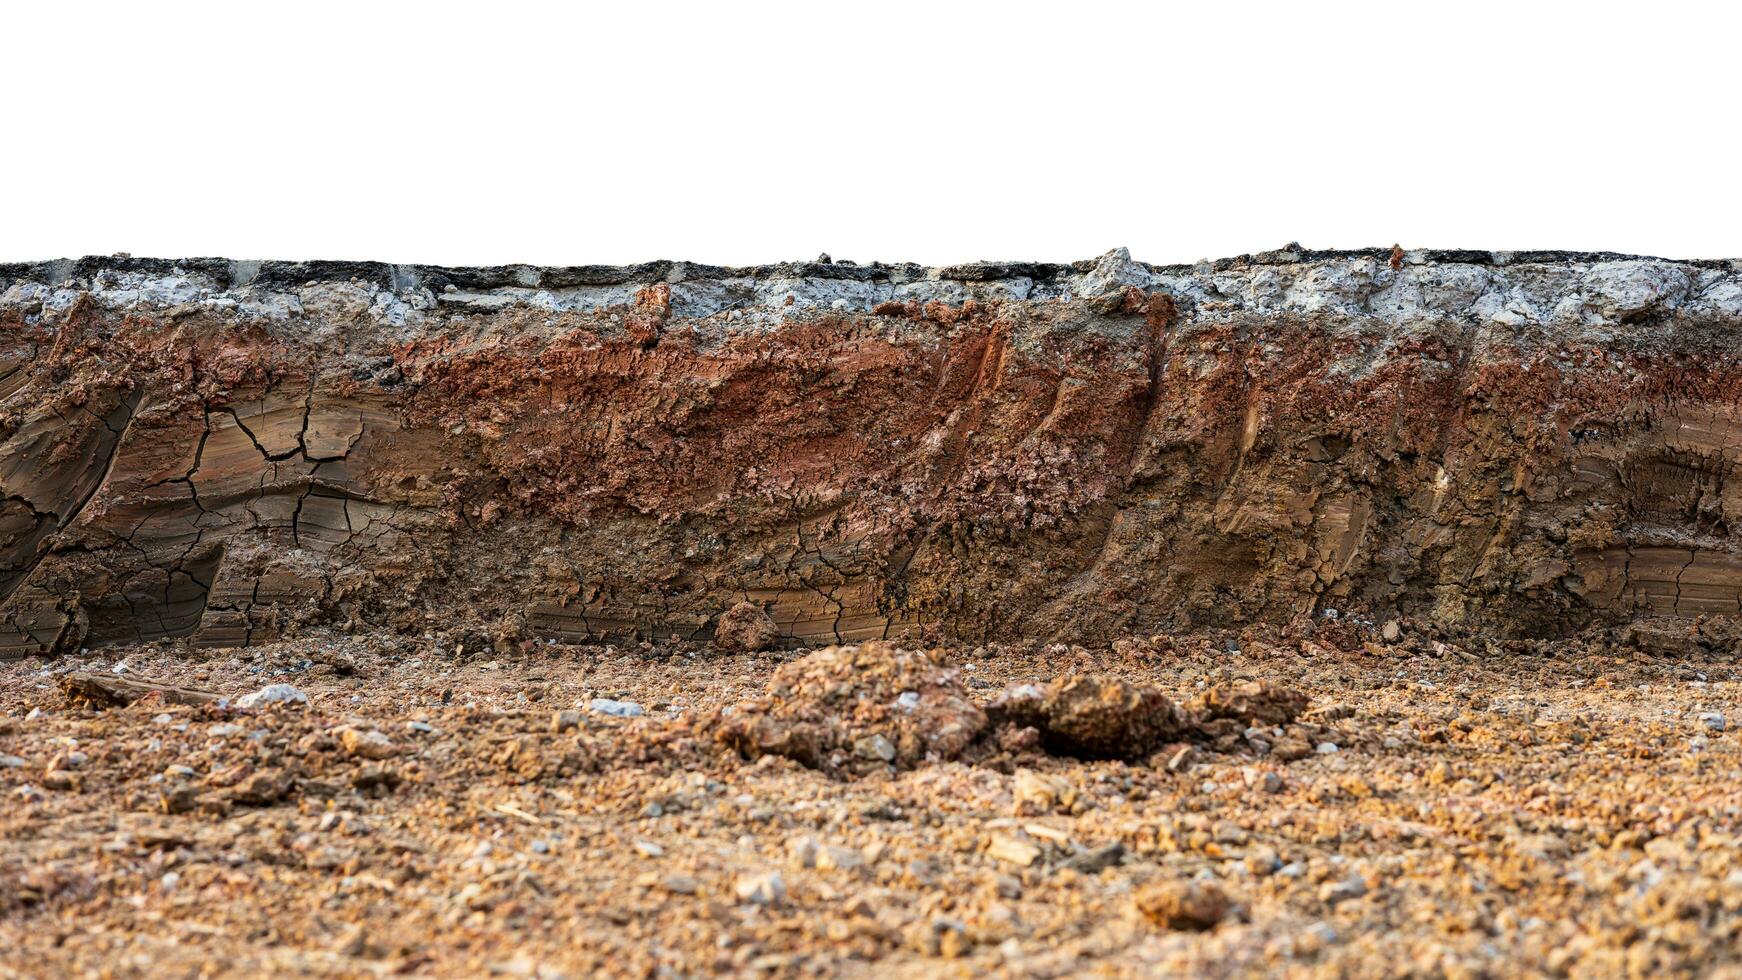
[1562, 809]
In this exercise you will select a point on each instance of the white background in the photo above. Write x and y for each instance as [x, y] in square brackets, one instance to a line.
[495, 132]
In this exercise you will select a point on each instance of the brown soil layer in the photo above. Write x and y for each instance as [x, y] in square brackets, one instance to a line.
[1077, 467]
[1566, 807]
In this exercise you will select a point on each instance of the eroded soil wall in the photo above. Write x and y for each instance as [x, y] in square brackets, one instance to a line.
[230, 451]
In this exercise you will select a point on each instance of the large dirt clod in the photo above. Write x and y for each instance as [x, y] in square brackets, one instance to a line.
[745, 628]
[1260, 702]
[1101, 717]
[1094, 716]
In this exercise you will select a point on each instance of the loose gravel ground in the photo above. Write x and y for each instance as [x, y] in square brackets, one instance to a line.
[1438, 809]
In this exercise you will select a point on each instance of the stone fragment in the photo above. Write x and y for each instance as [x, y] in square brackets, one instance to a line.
[264, 788]
[615, 708]
[1333, 892]
[367, 744]
[1094, 859]
[1262, 861]
[680, 884]
[1012, 849]
[803, 851]
[766, 888]
[180, 799]
[272, 694]
[68, 760]
[874, 747]
[1037, 793]
[834, 857]
[1182, 905]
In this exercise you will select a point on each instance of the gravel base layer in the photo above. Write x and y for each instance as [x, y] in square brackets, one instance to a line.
[1566, 808]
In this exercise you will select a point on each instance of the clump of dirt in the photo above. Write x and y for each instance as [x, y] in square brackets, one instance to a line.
[855, 709]
[745, 628]
[1182, 905]
[1259, 702]
[1096, 717]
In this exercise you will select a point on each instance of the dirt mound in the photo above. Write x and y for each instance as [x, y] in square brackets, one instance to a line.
[856, 709]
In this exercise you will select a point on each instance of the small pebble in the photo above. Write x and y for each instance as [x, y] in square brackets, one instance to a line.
[680, 884]
[615, 708]
[272, 694]
[761, 889]
[1351, 887]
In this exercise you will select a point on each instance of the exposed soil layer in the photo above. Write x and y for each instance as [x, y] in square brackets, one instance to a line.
[1505, 445]
[1565, 807]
